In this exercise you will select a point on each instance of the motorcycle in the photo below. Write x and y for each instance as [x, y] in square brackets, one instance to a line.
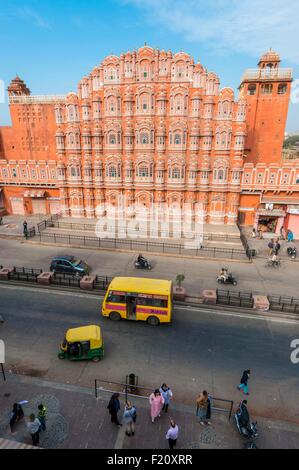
[229, 280]
[248, 432]
[145, 264]
[292, 252]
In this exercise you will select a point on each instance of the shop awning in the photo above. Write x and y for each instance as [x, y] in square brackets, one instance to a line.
[271, 213]
[34, 193]
[279, 200]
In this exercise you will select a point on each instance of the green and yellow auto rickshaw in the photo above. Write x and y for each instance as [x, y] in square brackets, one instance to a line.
[82, 343]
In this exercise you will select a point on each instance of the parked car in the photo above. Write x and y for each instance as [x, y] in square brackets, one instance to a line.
[69, 265]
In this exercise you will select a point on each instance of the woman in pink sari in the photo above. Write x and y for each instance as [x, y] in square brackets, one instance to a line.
[156, 401]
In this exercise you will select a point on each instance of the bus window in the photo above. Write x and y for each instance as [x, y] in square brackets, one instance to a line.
[116, 297]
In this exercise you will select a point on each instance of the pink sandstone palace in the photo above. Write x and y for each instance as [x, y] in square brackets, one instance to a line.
[155, 128]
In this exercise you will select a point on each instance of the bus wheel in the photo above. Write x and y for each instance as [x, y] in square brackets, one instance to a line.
[153, 321]
[114, 316]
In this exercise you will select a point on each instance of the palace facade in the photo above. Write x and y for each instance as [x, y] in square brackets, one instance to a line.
[152, 128]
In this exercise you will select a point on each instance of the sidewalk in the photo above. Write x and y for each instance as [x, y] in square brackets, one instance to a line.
[13, 224]
[77, 420]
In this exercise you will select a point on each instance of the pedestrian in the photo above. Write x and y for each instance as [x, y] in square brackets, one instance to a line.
[253, 234]
[277, 247]
[172, 434]
[25, 228]
[130, 416]
[1, 220]
[114, 407]
[290, 236]
[202, 407]
[282, 233]
[42, 411]
[270, 247]
[156, 401]
[244, 381]
[15, 416]
[167, 395]
[34, 429]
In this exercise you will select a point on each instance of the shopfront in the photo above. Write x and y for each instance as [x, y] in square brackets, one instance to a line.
[270, 218]
[292, 220]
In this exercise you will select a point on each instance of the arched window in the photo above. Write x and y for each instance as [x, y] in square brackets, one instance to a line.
[112, 171]
[143, 171]
[251, 89]
[267, 88]
[177, 139]
[144, 138]
[175, 173]
[112, 139]
[282, 89]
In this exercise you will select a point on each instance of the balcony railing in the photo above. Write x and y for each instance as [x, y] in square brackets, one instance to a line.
[24, 99]
[279, 74]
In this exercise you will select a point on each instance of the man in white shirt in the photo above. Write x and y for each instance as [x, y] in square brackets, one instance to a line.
[172, 434]
[34, 428]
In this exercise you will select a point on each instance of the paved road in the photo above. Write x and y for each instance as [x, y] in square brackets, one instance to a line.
[200, 349]
[199, 274]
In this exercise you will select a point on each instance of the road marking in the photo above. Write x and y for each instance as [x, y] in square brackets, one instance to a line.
[240, 315]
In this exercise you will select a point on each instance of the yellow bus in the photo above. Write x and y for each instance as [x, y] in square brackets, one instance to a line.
[135, 298]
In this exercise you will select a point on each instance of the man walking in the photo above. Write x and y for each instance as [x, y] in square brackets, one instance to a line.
[244, 381]
[34, 429]
[172, 434]
[271, 247]
[114, 407]
[25, 229]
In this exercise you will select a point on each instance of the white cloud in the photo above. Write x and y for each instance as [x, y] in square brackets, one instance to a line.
[250, 26]
[30, 14]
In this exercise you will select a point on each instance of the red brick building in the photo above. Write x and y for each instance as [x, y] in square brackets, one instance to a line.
[155, 128]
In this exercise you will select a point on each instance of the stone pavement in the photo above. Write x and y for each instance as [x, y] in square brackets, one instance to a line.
[261, 245]
[13, 224]
[76, 419]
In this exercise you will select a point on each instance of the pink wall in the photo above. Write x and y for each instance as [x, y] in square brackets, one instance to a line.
[294, 225]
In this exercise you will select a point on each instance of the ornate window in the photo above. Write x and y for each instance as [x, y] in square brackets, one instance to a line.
[251, 90]
[144, 138]
[282, 88]
[267, 88]
[177, 139]
[112, 139]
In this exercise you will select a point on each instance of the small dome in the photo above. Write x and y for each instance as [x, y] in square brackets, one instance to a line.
[270, 56]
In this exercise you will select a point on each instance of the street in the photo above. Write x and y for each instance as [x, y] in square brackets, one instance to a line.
[201, 349]
[199, 274]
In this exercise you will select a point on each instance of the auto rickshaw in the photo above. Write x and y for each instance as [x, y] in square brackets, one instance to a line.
[82, 343]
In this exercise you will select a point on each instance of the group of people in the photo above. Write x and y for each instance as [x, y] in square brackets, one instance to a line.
[159, 401]
[36, 423]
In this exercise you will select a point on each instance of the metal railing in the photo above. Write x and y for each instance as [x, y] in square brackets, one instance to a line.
[173, 234]
[32, 99]
[50, 222]
[142, 245]
[234, 299]
[220, 408]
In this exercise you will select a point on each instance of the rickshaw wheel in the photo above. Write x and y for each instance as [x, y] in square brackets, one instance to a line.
[153, 321]
[114, 316]
[96, 359]
[60, 356]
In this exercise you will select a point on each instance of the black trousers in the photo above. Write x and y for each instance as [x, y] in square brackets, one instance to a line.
[165, 408]
[35, 438]
[114, 419]
[172, 443]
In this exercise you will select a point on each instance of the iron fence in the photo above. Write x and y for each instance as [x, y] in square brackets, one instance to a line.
[235, 299]
[50, 222]
[142, 245]
[188, 235]
[284, 303]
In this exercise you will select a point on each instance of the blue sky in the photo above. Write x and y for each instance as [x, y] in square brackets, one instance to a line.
[52, 44]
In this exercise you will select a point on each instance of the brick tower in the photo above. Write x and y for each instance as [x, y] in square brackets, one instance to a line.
[267, 92]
